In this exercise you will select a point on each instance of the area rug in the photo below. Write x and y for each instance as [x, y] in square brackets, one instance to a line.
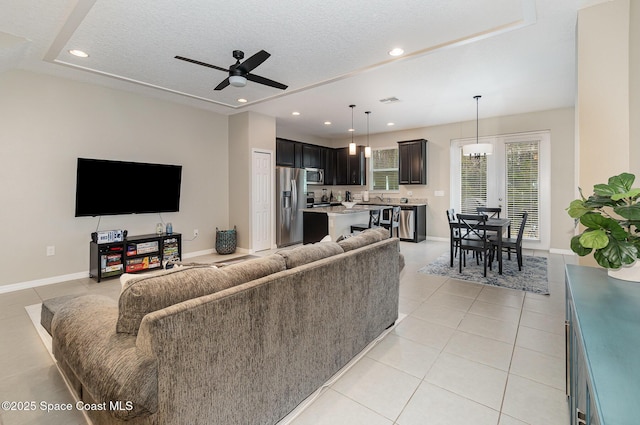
[532, 278]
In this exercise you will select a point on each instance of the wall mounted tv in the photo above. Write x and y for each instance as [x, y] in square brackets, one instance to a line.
[106, 187]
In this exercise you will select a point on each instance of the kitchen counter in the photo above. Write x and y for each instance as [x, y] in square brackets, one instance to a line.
[342, 210]
[395, 203]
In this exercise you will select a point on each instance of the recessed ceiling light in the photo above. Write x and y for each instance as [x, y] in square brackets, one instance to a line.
[327, 123]
[79, 53]
[296, 113]
[390, 124]
[241, 100]
[396, 52]
[352, 129]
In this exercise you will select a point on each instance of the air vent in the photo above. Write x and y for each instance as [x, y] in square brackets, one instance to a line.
[390, 100]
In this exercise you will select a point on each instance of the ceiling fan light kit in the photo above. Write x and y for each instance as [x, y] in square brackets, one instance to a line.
[237, 81]
[476, 150]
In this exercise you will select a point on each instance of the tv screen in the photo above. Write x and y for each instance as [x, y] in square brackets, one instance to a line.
[106, 187]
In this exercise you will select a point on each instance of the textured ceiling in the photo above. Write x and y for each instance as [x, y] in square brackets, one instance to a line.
[518, 54]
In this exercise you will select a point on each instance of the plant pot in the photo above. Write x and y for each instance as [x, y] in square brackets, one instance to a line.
[630, 273]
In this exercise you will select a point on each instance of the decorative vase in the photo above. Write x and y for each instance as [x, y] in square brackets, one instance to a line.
[630, 272]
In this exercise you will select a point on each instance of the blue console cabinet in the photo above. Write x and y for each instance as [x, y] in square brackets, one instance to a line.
[603, 348]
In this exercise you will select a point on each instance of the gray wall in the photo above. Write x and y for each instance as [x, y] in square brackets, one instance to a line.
[48, 122]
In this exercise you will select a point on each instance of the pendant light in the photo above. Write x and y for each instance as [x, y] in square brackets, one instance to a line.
[367, 149]
[352, 145]
[478, 149]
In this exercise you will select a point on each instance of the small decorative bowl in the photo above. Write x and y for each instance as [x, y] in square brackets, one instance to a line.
[349, 204]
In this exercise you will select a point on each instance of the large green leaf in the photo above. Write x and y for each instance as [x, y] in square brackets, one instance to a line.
[577, 209]
[597, 221]
[633, 193]
[617, 184]
[578, 248]
[630, 212]
[596, 239]
[616, 254]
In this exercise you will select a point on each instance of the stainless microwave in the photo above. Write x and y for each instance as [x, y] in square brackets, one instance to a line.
[314, 175]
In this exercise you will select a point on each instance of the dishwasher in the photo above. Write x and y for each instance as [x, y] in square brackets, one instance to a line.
[407, 223]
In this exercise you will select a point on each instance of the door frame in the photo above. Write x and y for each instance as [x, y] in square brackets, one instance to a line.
[270, 197]
[494, 184]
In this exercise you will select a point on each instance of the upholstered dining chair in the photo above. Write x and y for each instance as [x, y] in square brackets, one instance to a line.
[374, 221]
[473, 237]
[513, 243]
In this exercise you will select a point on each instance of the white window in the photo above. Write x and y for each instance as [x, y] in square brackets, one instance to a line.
[515, 178]
[383, 168]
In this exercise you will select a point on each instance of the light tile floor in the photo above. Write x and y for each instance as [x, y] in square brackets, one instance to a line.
[465, 353]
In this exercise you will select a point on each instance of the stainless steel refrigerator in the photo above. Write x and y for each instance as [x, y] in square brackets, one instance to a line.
[291, 198]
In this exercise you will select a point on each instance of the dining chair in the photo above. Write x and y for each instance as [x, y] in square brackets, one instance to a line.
[513, 243]
[374, 221]
[393, 222]
[473, 237]
[491, 212]
[454, 235]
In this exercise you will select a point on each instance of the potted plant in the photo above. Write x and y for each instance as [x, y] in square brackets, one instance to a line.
[611, 217]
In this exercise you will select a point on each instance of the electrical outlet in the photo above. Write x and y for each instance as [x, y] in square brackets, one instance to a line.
[410, 193]
[195, 233]
[51, 250]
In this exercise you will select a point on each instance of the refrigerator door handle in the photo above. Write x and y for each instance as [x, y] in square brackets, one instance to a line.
[294, 195]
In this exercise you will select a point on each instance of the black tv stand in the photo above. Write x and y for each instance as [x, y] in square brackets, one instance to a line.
[135, 254]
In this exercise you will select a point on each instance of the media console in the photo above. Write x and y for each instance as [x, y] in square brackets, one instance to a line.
[133, 255]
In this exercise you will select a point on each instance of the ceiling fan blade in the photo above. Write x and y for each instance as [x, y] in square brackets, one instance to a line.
[266, 81]
[222, 84]
[182, 58]
[255, 60]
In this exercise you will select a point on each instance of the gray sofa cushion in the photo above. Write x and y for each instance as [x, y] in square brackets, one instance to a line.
[309, 253]
[364, 238]
[107, 365]
[147, 294]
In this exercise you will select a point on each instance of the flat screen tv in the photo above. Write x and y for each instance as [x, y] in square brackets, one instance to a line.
[105, 187]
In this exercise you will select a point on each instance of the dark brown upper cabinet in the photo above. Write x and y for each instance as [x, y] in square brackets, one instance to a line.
[413, 161]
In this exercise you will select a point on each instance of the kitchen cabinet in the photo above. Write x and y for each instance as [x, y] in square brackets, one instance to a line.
[413, 161]
[329, 166]
[350, 169]
[602, 339]
[288, 153]
[311, 156]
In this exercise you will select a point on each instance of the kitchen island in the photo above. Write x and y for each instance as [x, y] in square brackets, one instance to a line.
[334, 221]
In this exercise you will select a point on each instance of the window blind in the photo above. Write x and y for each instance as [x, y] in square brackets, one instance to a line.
[384, 169]
[473, 183]
[522, 179]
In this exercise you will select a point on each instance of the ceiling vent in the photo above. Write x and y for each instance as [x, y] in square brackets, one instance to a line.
[392, 99]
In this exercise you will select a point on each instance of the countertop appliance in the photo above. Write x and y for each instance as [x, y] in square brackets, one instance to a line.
[314, 175]
[291, 199]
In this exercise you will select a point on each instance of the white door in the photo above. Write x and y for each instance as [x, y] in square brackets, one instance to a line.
[262, 195]
[515, 178]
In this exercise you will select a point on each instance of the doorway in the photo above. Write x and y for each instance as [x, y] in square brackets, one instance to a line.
[261, 199]
[516, 178]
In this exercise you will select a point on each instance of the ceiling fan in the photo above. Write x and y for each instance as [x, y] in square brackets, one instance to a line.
[239, 73]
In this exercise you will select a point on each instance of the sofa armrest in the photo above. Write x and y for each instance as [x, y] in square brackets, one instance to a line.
[107, 364]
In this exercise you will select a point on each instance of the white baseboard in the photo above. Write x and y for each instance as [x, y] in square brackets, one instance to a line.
[81, 275]
[437, 239]
[42, 282]
[561, 251]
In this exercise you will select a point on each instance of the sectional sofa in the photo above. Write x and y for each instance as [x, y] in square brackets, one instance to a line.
[243, 344]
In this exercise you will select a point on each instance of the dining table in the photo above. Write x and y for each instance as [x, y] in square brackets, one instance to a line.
[497, 225]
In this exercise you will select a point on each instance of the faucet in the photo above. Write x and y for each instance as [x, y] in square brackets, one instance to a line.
[380, 198]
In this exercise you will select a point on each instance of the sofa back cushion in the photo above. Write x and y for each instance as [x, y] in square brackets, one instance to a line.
[146, 294]
[366, 237]
[309, 253]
